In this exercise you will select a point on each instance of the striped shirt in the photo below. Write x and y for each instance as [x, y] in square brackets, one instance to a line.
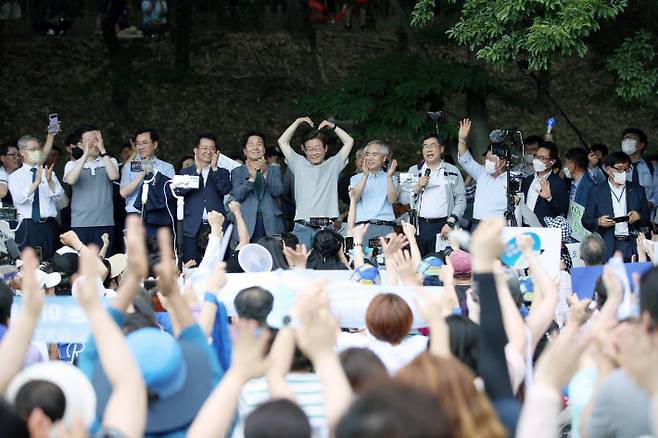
[308, 395]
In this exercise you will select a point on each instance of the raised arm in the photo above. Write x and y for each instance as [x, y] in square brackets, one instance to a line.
[111, 167]
[208, 312]
[284, 140]
[464, 130]
[345, 138]
[178, 308]
[243, 231]
[391, 189]
[16, 342]
[71, 177]
[137, 266]
[126, 408]
[128, 187]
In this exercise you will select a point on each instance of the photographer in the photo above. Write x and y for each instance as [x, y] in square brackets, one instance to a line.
[375, 191]
[90, 178]
[491, 179]
[545, 193]
[616, 208]
[316, 179]
[440, 195]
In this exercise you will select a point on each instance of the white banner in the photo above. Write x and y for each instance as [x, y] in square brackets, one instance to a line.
[547, 243]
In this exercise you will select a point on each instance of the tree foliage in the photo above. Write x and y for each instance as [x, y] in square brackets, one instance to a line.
[388, 97]
[634, 65]
[502, 31]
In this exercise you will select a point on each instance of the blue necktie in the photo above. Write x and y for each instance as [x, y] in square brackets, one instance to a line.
[36, 208]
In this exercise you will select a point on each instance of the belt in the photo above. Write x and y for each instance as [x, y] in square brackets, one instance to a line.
[323, 222]
[377, 222]
[623, 238]
[41, 221]
[435, 220]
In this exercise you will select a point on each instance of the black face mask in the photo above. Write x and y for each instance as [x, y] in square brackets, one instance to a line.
[77, 153]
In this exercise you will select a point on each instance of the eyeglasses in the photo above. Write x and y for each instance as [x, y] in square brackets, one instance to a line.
[430, 145]
[616, 169]
[13, 155]
[542, 159]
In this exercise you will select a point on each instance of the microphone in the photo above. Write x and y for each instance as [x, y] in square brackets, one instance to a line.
[498, 135]
[428, 171]
[427, 174]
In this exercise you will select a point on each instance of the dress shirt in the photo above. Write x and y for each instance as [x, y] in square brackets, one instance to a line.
[373, 203]
[533, 191]
[619, 208]
[574, 187]
[490, 191]
[434, 203]
[645, 178]
[127, 177]
[19, 184]
[204, 174]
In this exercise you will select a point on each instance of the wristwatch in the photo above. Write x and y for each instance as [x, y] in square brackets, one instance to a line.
[288, 321]
[104, 154]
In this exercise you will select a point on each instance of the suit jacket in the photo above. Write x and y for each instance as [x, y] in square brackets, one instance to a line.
[243, 192]
[584, 188]
[160, 203]
[209, 195]
[559, 203]
[600, 204]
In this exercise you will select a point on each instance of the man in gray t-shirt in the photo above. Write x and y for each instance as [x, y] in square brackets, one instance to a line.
[316, 178]
[90, 178]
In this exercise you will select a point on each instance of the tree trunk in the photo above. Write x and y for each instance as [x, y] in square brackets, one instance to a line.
[120, 66]
[476, 109]
[408, 31]
[299, 23]
[181, 33]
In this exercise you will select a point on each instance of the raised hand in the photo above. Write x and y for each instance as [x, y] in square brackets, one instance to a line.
[234, 207]
[296, 258]
[32, 293]
[215, 159]
[136, 248]
[166, 269]
[49, 172]
[326, 124]
[395, 243]
[359, 232]
[392, 168]
[216, 219]
[217, 278]
[464, 129]
[306, 120]
[249, 352]
[545, 189]
[99, 142]
[87, 294]
[406, 268]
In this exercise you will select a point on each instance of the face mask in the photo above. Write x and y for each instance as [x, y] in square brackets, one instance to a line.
[619, 177]
[567, 173]
[529, 158]
[538, 165]
[629, 146]
[34, 156]
[490, 166]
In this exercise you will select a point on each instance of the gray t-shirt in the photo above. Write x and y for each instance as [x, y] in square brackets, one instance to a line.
[316, 186]
[620, 409]
[91, 199]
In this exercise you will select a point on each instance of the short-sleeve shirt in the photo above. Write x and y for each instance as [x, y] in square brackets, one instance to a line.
[91, 198]
[373, 203]
[127, 176]
[316, 193]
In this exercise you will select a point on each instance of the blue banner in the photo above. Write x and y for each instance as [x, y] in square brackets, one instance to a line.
[62, 320]
[583, 279]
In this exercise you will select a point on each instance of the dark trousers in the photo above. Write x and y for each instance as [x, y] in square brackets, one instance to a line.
[42, 236]
[259, 230]
[92, 235]
[427, 232]
[627, 247]
[190, 245]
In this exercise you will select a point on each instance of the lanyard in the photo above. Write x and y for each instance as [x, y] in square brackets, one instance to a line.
[621, 195]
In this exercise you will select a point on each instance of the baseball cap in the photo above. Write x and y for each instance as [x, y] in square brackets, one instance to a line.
[65, 261]
[78, 391]
[366, 274]
[430, 266]
[461, 262]
[118, 263]
[177, 374]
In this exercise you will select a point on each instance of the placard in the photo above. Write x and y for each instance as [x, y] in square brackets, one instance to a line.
[575, 219]
[547, 243]
[583, 279]
[574, 253]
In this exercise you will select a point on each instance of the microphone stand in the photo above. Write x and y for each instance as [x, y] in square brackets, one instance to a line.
[510, 217]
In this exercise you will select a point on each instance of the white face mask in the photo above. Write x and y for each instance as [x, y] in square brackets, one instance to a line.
[34, 156]
[538, 165]
[619, 177]
[490, 166]
[629, 146]
[567, 173]
[529, 158]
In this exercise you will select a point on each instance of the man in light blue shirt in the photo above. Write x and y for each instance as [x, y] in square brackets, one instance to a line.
[146, 141]
[633, 143]
[375, 191]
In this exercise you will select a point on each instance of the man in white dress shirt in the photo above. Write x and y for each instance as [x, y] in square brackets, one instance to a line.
[491, 179]
[440, 195]
[35, 191]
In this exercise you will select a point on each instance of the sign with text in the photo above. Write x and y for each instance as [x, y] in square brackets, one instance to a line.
[575, 219]
[62, 320]
[546, 244]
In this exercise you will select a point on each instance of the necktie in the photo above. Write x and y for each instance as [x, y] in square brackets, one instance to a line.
[259, 189]
[635, 178]
[36, 207]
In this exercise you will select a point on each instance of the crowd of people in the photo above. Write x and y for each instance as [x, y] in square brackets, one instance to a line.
[480, 357]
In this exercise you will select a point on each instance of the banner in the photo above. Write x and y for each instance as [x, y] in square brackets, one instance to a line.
[546, 244]
[62, 320]
[583, 279]
[574, 253]
[575, 217]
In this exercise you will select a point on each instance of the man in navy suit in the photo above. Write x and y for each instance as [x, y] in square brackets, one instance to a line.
[256, 187]
[214, 183]
[579, 180]
[621, 199]
[545, 192]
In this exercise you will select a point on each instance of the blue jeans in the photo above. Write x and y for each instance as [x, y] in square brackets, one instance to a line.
[305, 234]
